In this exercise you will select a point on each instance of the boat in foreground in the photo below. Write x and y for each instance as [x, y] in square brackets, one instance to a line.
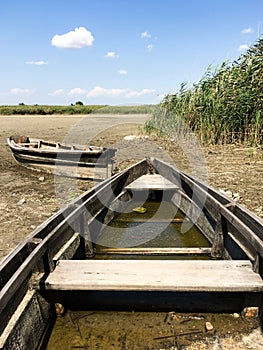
[84, 162]
[69, 261]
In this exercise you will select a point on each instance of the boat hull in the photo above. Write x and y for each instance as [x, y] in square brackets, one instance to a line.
[26, 297]
[65, 160]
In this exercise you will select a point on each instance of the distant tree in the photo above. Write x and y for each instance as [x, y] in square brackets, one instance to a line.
[21, 104]
[79, 103]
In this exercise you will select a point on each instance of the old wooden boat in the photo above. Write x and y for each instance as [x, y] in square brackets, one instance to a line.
[58, 264]
[80, 161]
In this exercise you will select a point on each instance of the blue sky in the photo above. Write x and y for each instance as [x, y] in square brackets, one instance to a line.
[117, 52]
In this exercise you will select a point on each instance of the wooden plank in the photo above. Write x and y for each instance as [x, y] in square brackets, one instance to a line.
[251, 220]
[202, 198]
[155, 275]
[153, 182]
[54, 232]
[168, 220]
[154, 251]
[68, 249]
[33, 310]
[220, 235]
[104, 197]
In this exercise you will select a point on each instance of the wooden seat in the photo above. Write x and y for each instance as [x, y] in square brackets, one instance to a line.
[155, 275]
[153, 182]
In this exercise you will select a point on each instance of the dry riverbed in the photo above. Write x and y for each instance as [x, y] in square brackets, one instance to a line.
[28, 198]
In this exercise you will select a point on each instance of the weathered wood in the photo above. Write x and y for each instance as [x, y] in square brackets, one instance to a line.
[118, 205]
[57, 235]
[254, 222]
[155, 275]
[17, 267]
[68, 250]
[154, 251]
[55, 239]
[194, 214]
[220, 235]
[244, 245]
[85, 235]
[171, 220]
[104, 197]
[14, 260]
[153, 182]
[88, 162]
[42, 253]
[69, 169]
[202, 198]
[27, 324]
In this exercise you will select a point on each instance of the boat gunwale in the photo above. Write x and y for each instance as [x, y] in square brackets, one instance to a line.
[95, 150]
[239, 210]
[25, 267]
[212, 202]
[76, 161]
[73, 211]
[81, 201]
[59, 161]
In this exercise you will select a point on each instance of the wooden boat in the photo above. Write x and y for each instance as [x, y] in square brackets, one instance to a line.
[57, 264]
[85, 162]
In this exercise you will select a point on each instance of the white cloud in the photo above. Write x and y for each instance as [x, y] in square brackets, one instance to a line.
[19, 91]
[76, 39]
[247, 31]
[99, 91]
[145, 35]
[149, 48]
[243, 47]
[77, 91]
[37, 63]
[56, 92]
[135, 93]
[122, 72]
[111, 54]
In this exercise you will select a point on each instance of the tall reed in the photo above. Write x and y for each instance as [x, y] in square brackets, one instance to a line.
[225, 106]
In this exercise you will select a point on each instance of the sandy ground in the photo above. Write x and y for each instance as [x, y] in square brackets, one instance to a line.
[28, 198]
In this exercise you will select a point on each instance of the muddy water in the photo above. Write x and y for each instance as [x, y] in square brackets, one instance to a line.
[103, 330]
[151, 229]
[123, 330]
[132, 329]
[129, 329]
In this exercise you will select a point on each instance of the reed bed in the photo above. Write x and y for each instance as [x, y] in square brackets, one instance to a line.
[78, 108]
[225, 106]
[23, 109]
[129, 109]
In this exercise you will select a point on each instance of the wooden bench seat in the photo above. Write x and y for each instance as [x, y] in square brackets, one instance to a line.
[153, 182]
[155, 275]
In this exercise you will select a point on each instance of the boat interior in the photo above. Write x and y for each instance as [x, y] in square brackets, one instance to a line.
[24, 141]
[150, 237]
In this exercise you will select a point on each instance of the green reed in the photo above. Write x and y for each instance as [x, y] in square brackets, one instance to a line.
[225, 106]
